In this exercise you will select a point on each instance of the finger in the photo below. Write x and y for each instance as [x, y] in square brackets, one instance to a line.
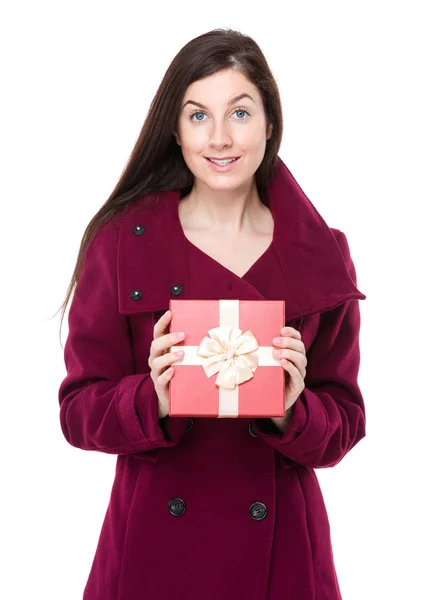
[162, 343]
[291, 332]
[288, 342]
[296, 358]
[164, 378]
[291, 368]
[293, 380]
[161, 324]
[165, 360]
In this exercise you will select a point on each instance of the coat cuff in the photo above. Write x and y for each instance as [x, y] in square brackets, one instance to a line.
[165, 432]
[305, 431]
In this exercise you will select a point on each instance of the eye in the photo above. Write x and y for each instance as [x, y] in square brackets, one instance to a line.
[199, 112]
[242, 110]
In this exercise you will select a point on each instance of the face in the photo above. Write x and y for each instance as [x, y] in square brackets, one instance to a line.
[223, 116]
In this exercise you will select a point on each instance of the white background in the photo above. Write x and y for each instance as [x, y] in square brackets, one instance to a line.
[77, 80]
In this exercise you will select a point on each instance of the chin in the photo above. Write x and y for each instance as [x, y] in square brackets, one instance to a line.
[226, 186]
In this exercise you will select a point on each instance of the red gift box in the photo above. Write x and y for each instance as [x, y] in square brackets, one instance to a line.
[228, 368]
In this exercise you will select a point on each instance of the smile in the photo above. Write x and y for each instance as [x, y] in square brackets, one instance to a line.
[222, 162]
[222, 165]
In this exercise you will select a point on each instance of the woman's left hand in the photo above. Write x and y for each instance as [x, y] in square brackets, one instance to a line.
[291, 351]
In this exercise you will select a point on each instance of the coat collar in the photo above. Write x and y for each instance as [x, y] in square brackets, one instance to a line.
[152, 263]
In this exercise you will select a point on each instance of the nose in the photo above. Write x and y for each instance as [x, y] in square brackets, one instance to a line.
[220, 136]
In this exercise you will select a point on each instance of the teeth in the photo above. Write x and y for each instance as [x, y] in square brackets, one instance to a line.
[222, 162]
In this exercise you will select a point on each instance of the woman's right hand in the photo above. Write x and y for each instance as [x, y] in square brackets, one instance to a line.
[160, 360]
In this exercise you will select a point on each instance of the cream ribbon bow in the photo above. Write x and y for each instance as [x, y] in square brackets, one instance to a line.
[230, 353]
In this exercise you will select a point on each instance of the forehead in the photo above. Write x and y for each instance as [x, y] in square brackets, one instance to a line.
[221, 87]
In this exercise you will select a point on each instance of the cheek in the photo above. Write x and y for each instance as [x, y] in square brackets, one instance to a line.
[250, 139]
[192, 138]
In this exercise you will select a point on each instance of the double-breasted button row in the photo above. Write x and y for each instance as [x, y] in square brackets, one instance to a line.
[258, 510]
[137, 294]
[176, 290]
[252, 431]
[251, 428]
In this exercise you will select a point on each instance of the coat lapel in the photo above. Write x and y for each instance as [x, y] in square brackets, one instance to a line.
[153, 259]
[312, 264]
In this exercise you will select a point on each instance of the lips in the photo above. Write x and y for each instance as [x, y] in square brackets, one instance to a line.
[211, 159]
[223, 158]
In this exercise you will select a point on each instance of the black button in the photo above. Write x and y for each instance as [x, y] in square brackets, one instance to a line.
[177, 289]
[258, 511]
[252, 430]
[138, 229]
[176, 507]
[189, 424]
[136, 294]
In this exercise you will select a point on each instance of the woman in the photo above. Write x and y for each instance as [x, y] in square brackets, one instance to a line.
[208, 508]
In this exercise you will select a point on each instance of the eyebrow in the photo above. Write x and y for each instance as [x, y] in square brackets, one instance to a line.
[232, 101]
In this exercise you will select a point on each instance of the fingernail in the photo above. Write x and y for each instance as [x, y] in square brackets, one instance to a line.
[180, 335]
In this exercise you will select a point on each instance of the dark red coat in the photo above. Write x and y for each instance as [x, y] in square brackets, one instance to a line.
[215, 550]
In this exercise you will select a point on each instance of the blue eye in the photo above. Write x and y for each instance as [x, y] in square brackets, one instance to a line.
[199, 112]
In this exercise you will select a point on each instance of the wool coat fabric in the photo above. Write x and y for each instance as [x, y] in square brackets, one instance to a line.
[209, 508]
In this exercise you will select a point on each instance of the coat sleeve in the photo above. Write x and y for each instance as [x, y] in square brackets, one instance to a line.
[104, 404]
[328, 417]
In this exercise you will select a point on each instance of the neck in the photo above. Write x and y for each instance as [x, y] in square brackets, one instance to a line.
[225, 210]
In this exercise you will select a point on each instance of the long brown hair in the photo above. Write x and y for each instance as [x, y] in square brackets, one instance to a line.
[156, 162]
